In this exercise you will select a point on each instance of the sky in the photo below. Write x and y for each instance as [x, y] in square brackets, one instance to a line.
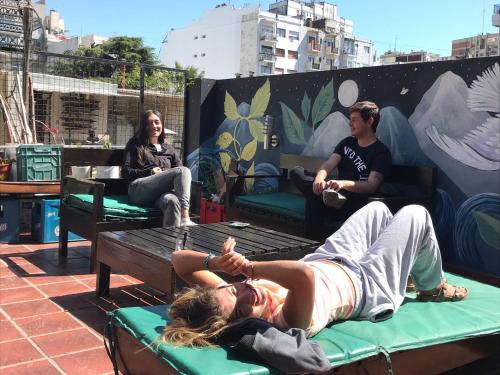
[404, 25]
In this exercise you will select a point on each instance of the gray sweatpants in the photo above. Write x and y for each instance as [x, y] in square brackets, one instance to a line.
[380, 250]
[169, 190]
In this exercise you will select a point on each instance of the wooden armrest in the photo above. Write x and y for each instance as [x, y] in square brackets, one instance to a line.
[71, 185]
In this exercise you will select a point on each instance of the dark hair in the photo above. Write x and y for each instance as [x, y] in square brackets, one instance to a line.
[142, 135]
[366, 110]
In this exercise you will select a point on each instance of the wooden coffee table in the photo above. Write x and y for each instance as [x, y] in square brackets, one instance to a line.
[146, 253]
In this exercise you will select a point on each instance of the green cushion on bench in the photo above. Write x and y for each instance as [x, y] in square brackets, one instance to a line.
[115, 207]
[280, 203]
[415, 325]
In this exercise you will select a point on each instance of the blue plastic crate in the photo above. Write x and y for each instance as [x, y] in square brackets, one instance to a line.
[45, 222]
[38, 162]
[10, 220]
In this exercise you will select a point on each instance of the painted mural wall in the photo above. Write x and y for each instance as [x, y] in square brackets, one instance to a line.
[442, 114]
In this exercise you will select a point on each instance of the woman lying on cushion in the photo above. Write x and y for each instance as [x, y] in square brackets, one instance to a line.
[359, 273]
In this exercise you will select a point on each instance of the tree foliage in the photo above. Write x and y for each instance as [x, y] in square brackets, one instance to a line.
[121, 49]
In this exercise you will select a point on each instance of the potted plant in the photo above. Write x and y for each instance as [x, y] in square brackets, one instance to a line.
[5, 167]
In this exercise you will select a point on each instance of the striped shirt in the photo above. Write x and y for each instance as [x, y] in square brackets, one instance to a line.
[334, 299]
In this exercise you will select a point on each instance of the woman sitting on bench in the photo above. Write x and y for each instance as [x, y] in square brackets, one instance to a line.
[155, 173]
[359, 273]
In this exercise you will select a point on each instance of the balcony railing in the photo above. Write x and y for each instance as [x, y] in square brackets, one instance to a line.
[331, 51]
[268, 37]
[313, 47]
[267, 57]
[312, 66]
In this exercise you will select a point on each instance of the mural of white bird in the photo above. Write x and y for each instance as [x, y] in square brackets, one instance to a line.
[480, 147]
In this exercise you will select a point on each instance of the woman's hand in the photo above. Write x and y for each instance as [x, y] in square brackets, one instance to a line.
[230, 261]
[156, 170]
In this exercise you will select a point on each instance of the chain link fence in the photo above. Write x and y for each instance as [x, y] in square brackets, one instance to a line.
[84, 100]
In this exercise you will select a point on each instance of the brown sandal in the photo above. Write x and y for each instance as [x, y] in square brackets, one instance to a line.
[438, 294]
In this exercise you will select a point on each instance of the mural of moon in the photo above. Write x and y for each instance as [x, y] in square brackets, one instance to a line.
[348, 93]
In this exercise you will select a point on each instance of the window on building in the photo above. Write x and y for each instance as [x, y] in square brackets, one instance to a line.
[329, 62]
[267, 30]
[279, 70]
[202, 55]
[203, 36]
[195, 55]
[310, 59]
[195, 37]
[293, 35]
[280, 52]
[281, 33]
[266, 49]
[367, 49]
[292, 54]
[264, 69]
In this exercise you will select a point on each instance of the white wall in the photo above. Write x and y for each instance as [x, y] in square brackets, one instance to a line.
[221, 44]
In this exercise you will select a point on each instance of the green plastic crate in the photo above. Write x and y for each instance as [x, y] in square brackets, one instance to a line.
[38, 162]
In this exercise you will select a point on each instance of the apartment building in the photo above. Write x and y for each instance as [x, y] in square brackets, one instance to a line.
[480, 45]
[290, 37]
[393, 57]
[475, 46]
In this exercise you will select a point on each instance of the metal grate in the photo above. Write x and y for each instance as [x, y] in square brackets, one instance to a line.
[83, 100]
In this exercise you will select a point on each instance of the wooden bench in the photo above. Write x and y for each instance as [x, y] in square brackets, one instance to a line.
[89, 223]
[405, 185]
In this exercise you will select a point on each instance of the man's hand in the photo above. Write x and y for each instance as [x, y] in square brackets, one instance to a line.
[335, 184]
[319, 185]
[156, 170]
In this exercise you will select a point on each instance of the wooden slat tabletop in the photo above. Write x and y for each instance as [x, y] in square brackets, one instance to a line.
[252, 241]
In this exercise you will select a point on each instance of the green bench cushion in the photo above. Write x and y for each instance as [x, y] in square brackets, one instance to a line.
[115, 207]
[280, 203]
[415, 325]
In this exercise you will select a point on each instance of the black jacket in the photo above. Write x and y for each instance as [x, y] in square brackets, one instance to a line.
[165, 159]
[290, 351]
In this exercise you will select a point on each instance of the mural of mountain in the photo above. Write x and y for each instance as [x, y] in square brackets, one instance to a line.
[396, 133]
[444, 106]
[447, 131]
[333, 129]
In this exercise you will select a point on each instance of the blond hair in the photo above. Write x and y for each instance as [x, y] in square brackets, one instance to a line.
[196, 318]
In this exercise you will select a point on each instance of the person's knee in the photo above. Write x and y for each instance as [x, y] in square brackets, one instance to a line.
[184, 171]
[169, 200]
[378, 207]
[415, 213]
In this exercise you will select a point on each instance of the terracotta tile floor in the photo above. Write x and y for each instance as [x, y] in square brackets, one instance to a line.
[51, 322]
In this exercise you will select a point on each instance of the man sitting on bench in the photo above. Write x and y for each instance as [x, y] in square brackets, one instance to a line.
[362, 162]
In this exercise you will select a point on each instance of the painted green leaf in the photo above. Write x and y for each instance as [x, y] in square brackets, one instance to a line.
[489, 228]
[225, 160]
[323, 103]
[250, 181]
[225, 139]
[306, 107]
[230, 108]
[293, 125]
[260, 100]
[249, 150]
[256, 130]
